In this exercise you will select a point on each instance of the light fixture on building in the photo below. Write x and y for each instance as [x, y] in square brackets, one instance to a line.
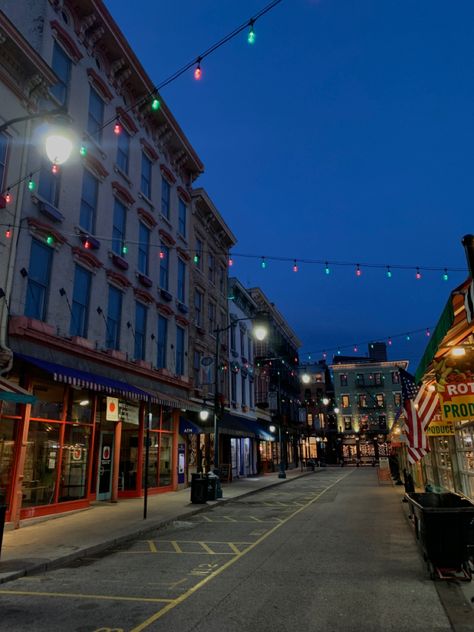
[325, 401]
[458, 351]
[305, 378]
[203, 414]
[272, 428]
[84, 402]
[336, 410]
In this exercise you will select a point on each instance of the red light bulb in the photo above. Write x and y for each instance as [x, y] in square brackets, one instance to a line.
[55, 169]
[117, 128]
[8, 233]
[230, 262]
[358, 271]
[8, 197]
[418, 274]
[198, 72]
[162, 254]
[87, 244]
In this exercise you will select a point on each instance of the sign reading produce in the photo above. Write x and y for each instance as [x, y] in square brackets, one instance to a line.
[455, 387]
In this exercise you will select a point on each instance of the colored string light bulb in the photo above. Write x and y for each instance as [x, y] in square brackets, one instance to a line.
[418, 274]
[50, 240]
[325, 355]
[338, 352]
[8, 233]
[155, 104]
[124, 249]
[117, 128]
[355, 349]
[162, 254]
[428, 333]
[8, 197]
[83, 150]
[326, 268]
[230, 261]
[251, 34]
[263, 263]
[198, 71]
[295, 266]
[389, 273]
[87, 244]
[445, 275]
[196, 258]
[389, 341]
[408, 337]
[358, 271]
[31, 184]
[55, 169]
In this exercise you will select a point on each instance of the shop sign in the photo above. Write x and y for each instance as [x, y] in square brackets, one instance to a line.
[455, 387]
[130, 414]
[440, 429]
[112, 413]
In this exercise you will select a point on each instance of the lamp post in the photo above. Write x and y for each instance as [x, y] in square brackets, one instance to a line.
[260, 332]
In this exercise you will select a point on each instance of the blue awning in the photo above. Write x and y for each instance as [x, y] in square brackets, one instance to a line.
[240, 427]
[83, 379]
[11, 392]
[188, 427]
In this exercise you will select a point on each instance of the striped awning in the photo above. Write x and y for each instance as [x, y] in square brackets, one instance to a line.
[11, 392]
[84, 379]
[173, 402]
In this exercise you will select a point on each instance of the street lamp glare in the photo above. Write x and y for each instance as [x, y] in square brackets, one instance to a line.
[260, 332]
[336, 410]
[58, 147]
[203, 415]
[272, 428]
[325, 401]
[305, 378]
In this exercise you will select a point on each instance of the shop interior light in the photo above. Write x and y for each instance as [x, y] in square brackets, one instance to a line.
[458, 351]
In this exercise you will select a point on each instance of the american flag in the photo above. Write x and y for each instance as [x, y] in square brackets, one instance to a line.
[420, 404]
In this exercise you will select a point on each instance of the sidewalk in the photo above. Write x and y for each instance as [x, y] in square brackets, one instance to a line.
[55, 541]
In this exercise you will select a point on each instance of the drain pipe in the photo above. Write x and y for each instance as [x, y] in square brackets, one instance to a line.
[468, 243]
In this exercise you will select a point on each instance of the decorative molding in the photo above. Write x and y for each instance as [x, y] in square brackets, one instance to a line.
[147, 217]
[144, 279]
[143, 295]
[127, 120]
[94, 165]
[164, 309]
[182, 320]
[117, 279]
[43, 230]
[148, 149]
[121, 192]
[99, 84]
[87, 258]
[166, 237]
[168, 174]
[119, 261]
[183, 194]
[184, 254]
[66, 40]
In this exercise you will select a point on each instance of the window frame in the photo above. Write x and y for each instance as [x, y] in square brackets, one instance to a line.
[89, 206]
[165, 268]
[165, 198]
[141, 316]
[112, 340]
[181, 283]
[123, 150]
[119, 227]
[146, 178]
[79, 323]
[33, 308]
[182, 217]
[180, 348]
[143, 254]
[92, 120]
[162, 342]
[60, 90]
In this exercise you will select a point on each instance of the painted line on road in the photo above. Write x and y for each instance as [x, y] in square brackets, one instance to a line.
[176, 602]
[31, 593]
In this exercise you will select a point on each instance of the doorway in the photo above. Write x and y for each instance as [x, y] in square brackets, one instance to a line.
[104, 482]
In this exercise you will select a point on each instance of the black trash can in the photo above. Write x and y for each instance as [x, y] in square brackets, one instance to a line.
[212, 486]
[3, 513]
[198, 488]
[443, 526]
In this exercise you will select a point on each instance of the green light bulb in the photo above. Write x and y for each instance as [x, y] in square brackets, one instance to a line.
[155, 104]
[31, 185]
[124, 249]
[196, 258]
[445, 275]
[251, 36]
[83, 150]
[50, 240]
[389, 273]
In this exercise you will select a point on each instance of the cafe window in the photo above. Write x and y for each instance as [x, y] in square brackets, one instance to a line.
[397, 399]
[343, 379]
[160, 452]
[345, 401]
[380, 398]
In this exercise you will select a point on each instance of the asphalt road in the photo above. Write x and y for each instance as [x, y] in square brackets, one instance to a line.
[329, 552]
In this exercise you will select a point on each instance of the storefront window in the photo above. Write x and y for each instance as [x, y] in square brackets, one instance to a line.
[7, 453]
[49, 404]
[74, 462]
[80, 407]
[129, 460]
[40, 464]
[165, 460]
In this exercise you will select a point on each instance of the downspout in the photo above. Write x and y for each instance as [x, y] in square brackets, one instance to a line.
[468, 243]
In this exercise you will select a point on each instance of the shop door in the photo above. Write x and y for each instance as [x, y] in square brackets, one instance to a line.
[104, 486]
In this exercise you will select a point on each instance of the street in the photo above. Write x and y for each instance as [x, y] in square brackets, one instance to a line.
[331, 551]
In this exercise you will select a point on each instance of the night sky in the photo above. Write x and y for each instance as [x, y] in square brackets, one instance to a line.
[345, 133]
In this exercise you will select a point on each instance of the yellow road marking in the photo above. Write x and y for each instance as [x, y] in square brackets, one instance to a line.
[234, 548]
[31, 593]
[206, 548]
[226, 565]
[152, 546]
[206, 518]
[176, 546]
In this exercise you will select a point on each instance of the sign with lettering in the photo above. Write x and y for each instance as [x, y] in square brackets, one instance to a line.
[455, 387]
[440, 429]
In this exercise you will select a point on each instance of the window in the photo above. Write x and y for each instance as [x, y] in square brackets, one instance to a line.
[395, 377]
[397, 399]
[242, 342]
[182, 216]
[197, 368]
[162, 342]
[347, 423]
[249, 356]
[80, 302]
[140, 330]
[39, 272]
[118, 229]
[233, 338]
[90, 189]
[123, 150]
[179, 350]
[181, 281]
[114, 317]
[233, 386]
[251, 392]
[382, 422]
[380, 398]
[199, 249]
[165, 197]
[345, 401]
[244, 390]
[164, 267]
[197, 308]
[211, 262]
[95, 116]
[343, 379]
[360, 379]
[3, 159]
[378, 379]
[143, 248]
[61, 65]
[48, 187]
[211, 317]
[363, 401]
[146, 176]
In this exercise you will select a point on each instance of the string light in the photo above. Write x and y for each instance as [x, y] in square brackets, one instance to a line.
[196, 258]
[117, 128]
[124, 249]
[389, 273]
[251, 34]
[50, 240]
[8, 197]
[295, 266]
[428, 333]
[445, 275]
[230, 261]
[408, 337]
[162, 254]
[389, 341]
[418, 274]
[263, 264]
[155, 104]
[8, 233]
[31, 183]
[355, 349]
[198, 71]
[326, 268]
[358, 271]
[87, 244]
[83, 150]
[55, 169]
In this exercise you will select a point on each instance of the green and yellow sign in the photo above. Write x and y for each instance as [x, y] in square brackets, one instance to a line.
[440, 429]
[455, 387]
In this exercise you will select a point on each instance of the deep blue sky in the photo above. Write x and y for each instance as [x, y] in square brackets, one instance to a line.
[345, 133]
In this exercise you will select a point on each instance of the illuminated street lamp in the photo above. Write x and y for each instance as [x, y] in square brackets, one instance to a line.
[203, 414]
[305, 378]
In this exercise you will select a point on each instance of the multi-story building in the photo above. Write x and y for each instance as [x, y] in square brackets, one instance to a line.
[99, 288]
[277, 386]
[367, 399]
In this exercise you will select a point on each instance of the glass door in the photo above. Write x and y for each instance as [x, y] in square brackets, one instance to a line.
[104, 486]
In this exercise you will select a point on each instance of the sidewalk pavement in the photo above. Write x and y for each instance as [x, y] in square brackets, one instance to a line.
[46, 543]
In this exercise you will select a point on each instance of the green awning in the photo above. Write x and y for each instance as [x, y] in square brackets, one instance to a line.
[11, 392]
[444, 325]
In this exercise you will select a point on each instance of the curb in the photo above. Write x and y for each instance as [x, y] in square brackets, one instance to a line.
[102, 547]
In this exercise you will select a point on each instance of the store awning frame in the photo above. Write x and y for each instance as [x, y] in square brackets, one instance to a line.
[11, 392]
[187, 427]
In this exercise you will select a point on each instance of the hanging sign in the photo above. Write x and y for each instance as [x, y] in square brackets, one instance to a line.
[440, 429]
[455, 387]
[112, 413]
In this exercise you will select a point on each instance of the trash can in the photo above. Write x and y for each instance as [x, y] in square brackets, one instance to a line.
[444, 529]
[3, 513]
[212, 483]
[198, 488]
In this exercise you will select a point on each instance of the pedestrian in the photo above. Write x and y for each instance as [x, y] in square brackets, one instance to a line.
[408, 482]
